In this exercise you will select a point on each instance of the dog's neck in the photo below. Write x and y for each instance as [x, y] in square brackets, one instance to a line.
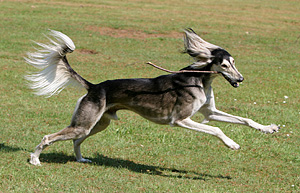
[207, 79]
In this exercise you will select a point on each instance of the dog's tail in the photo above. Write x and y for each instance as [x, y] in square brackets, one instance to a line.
[55, 72]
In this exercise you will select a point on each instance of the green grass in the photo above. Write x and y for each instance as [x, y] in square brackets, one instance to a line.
[134, 155]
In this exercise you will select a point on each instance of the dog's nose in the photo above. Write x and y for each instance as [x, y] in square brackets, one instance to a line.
[241, 79]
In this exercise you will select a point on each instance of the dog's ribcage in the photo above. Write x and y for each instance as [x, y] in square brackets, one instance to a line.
[161, 100]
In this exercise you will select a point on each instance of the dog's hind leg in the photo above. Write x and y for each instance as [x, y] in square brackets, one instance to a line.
[100, 126]
[65, 134]
[189, 124]
[85, 117]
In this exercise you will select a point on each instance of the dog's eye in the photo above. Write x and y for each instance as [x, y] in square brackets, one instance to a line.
[224, 65]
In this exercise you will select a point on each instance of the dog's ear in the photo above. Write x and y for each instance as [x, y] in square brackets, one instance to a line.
[199, 49]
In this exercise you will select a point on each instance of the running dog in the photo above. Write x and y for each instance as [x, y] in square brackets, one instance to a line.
[169, 99]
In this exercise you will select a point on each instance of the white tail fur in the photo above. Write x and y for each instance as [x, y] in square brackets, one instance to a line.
[55, 72]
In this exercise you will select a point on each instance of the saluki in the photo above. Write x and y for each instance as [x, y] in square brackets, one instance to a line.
[168, 99]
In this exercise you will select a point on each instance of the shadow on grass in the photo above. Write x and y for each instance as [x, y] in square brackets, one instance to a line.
[6, 148]
[101, 160]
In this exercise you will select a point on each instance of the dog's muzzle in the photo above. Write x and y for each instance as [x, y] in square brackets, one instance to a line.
[234, 83]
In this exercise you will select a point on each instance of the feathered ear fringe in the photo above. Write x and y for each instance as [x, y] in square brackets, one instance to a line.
[197, 48]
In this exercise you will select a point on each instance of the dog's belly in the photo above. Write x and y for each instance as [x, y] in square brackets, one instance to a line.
[163, 113]
[160, 119]
[156, 115]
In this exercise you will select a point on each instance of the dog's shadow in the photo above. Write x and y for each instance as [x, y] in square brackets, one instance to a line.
[101, 160]
[7, 148]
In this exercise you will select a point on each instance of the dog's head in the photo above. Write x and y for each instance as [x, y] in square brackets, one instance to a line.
[207, 54]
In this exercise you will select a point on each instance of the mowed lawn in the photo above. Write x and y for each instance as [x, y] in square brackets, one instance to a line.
[115, 39]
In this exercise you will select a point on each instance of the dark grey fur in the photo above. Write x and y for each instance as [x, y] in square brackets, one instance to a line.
[169, 99]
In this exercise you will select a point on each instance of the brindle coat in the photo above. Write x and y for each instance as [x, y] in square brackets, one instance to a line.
[169, 99]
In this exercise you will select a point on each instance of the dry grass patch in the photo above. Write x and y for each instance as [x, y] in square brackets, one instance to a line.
[132, 33]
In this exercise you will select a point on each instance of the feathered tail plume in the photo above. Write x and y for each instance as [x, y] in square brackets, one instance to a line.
[199, 49]
[56, 73]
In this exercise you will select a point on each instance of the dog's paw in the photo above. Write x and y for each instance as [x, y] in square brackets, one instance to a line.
[83, 160]
[270, 128]
[235, 146]
[34, 160]
[231, 144]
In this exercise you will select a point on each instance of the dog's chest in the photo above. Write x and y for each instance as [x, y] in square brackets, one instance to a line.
[196, 106]
[197, 102]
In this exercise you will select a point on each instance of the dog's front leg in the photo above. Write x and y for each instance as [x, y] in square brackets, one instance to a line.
[212, 114]
[216, 115]
[189, 124]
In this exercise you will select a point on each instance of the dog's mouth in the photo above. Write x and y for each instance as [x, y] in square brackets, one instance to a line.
[234, 83]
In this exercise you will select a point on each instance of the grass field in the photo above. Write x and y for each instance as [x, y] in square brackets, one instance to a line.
[114, 39]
